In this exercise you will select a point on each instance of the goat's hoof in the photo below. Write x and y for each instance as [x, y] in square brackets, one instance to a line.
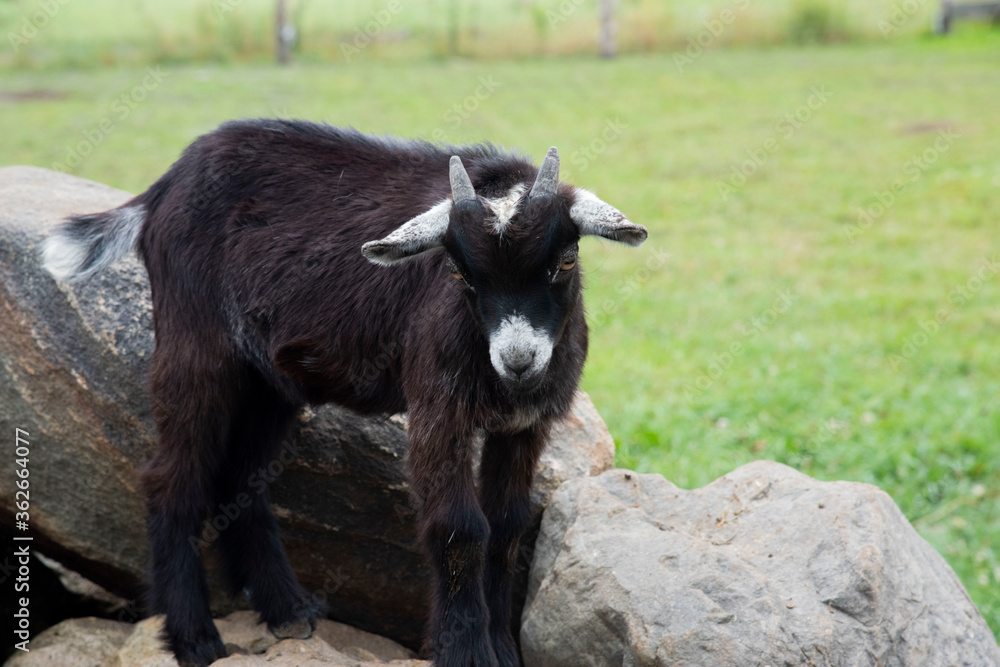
[506, 651]
[200, 654]
[233, 649]
[474, 653]
[305, 616]
[301, 628]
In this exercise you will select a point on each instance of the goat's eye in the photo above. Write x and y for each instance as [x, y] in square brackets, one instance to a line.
[567, 263]
[457, 276]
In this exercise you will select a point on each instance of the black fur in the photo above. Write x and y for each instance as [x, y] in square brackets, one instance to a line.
[263, 302]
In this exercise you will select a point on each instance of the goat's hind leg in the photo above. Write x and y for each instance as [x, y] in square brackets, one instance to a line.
[249, 545]
[192, 424]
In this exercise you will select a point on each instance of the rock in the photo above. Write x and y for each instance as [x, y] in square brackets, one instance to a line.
[295, 653]
[78, 642]
[73, 363]
[88, 642]
[356, 642]
[144, 647]
[765, 566]
[310, 653]
[65, 594]
[80, 592]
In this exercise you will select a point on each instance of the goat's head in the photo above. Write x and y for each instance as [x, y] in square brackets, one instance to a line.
[515, 257]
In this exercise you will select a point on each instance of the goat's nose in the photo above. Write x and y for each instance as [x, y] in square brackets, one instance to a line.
[517, 364]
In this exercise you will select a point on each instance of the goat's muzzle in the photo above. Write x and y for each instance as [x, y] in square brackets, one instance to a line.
[520, 353]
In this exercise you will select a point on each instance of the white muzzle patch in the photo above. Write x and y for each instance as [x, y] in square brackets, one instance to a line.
[518, 350]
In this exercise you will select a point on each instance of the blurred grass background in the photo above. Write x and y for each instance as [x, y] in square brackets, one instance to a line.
[766, 317]
[103, 32]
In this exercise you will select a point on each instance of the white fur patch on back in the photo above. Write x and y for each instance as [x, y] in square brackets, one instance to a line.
[515, 340]
[504, 208]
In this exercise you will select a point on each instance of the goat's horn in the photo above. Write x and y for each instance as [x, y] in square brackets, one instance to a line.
[461, 185]
[548, 175]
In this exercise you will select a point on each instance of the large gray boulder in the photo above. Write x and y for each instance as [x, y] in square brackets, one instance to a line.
[73, 363]
[765, 566]
[86, 642]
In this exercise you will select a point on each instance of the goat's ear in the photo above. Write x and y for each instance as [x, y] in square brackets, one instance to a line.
[420, 234]
[595, 217]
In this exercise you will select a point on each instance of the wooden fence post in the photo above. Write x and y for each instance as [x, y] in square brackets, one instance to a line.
[284, 33]
[608, 29]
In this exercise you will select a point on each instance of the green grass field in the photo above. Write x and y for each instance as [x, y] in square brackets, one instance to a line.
[144, 31]
[766, 317]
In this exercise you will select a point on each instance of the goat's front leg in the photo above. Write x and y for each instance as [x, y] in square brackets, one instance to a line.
[507, 469]
[454, 532]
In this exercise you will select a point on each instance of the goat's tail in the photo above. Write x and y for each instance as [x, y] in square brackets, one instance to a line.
[85, 244]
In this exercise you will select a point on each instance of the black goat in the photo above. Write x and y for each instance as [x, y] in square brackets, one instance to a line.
[269, 292]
